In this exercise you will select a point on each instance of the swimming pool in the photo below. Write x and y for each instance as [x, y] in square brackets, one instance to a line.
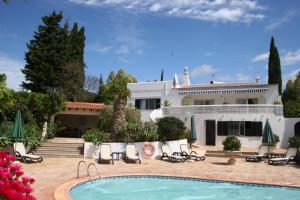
[175, 188]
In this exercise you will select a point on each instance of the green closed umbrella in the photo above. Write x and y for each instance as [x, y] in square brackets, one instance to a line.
[17, 133]
[268, 135]
[192, 133]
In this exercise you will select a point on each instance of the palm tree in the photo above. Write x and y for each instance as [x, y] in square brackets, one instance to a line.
[118, 88]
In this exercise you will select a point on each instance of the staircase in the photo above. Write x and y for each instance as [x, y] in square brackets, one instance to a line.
[61, 148]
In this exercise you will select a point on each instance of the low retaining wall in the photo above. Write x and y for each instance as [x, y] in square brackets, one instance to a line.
[92, 151]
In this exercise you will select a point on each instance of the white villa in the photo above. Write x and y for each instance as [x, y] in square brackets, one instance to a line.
[220, 109]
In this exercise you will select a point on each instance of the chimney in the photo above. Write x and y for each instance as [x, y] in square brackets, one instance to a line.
[257, 80]
[186, 77]
[175, 81]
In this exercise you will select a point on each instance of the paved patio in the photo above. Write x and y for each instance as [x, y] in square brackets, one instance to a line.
[53, 172]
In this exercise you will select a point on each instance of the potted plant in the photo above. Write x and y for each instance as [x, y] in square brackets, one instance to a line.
[231, 148]
[294, 142]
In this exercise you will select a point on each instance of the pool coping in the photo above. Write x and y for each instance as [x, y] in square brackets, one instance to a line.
[62, 191]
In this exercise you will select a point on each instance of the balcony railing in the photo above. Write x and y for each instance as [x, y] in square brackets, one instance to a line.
[224, 109]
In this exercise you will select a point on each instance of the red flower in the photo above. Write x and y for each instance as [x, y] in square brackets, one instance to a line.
[11, 187]
[15, 167]
[19, 173]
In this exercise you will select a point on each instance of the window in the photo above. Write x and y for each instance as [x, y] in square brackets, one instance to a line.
[137, 103]
[252, 101]
[204, 102]
[239, 128]
[241, 101]
[147, 104]
[253, 128]
[247, 101]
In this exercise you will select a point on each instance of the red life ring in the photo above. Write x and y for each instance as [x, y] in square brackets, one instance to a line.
[148, 149]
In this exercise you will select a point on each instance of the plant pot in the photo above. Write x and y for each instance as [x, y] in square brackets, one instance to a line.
[232, 155]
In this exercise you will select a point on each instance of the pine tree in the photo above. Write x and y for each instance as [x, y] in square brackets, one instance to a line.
[46, 56]
[274, 67]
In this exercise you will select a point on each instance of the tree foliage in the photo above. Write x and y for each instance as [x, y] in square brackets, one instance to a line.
[170, 128]
[291, 98]
[6, 98]
[274, 66]
[117, 89]
[54, 59]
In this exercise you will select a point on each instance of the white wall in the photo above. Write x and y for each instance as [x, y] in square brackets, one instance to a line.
[92, 151]
[277, 124]
[289, 127]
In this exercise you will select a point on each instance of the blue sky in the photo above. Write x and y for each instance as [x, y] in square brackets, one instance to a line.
[224, 40]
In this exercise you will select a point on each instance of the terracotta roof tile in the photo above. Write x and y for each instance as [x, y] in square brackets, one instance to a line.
[84, 105]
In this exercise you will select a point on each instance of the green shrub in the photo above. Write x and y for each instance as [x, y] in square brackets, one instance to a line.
[170, 128]
[105, 119]
[5, 132]
[138, 132]
[132, 114]
[95, 135]
[54, 128]
[294, 142]
[231, 143]
[5, 141]
[32, 135]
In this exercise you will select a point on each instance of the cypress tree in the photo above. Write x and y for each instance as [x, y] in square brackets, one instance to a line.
[46, 56]
[101, 90]
[274, 67]
[74, 69]
[162, 75]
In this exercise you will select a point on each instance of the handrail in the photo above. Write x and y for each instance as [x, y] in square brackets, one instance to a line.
[93, 164]
[87, 167]
[87, 171]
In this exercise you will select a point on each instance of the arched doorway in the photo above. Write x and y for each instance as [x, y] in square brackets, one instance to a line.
[297, 129]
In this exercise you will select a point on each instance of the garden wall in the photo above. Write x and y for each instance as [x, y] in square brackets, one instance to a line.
[92, 151]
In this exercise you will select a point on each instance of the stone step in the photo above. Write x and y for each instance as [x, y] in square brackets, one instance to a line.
[61, 155]
[63, 144]
[60, 147]
[59, 151]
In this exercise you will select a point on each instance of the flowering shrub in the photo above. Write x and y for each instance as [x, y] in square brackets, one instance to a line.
[13, 186]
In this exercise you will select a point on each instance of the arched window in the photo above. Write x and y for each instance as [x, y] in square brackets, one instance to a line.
[297, 129]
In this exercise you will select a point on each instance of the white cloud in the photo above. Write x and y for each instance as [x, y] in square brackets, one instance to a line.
[12, 69]
[155, 7]
[203, 70]
[261, 57]
[101, 49]
[207, 10]
[291, 57]
[242, 77]
[125, 38]
[283, 20]
[222, 78]
[289, 76]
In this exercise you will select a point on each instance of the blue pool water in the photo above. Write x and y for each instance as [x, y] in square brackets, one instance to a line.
[172, 188]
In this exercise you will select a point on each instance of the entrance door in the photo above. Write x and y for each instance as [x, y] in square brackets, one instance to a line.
[210, 132]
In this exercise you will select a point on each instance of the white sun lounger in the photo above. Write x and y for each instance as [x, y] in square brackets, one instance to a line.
[290, 155]
[131, 154]
[262, 153]
[172, 156]
[20, 152]
[191, 154]
[105, 153]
